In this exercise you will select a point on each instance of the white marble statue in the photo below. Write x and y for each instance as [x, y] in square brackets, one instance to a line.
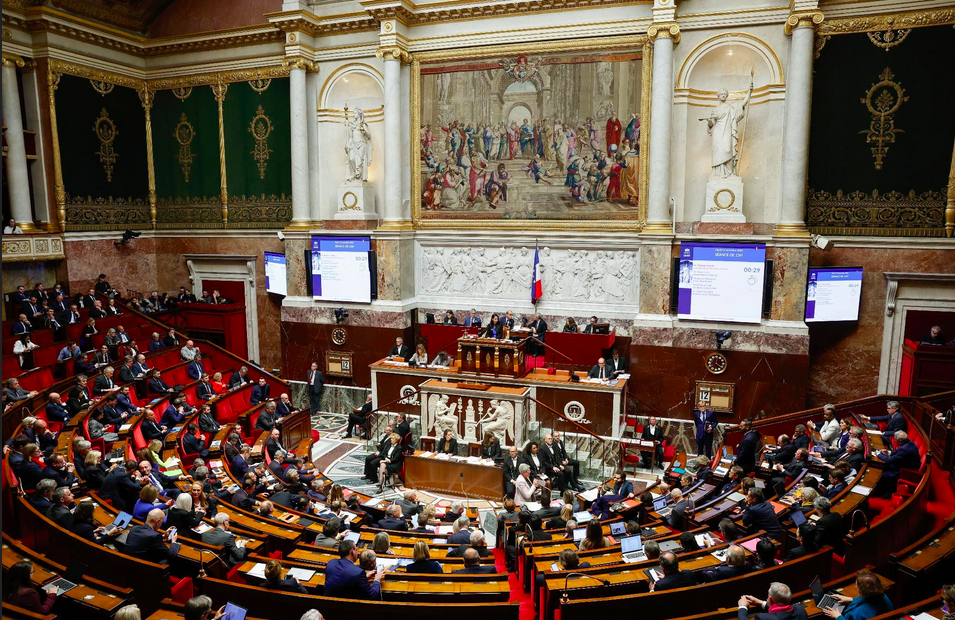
[723, 126]
[357, 146]
[498, 420]
[444, 418]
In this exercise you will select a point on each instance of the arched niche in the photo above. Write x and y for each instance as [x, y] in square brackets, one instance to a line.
[723, 59]
[358, 85]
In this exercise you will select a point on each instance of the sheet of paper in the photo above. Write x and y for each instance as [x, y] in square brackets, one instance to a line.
[533, 506]
[590, 495]
[861, 490]
[301, 574]
[258, 571]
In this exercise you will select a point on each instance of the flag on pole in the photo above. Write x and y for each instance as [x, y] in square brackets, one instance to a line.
[537, 288]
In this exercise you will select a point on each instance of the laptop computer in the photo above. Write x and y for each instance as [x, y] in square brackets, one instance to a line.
[660, 503]
[736, 496]
[820, 597]
[670, 545]
[72, 575]
[799, 518]
[579, 534]
[617, 528]
[631, 549]
[583, 517]
[234, 612]
[780, 489]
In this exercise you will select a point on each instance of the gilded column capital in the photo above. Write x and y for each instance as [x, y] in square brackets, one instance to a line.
[803, 19]
[670, 30]
[146, 97]
[12, 60]
[298, 62]
[394, 53]
[219, 90]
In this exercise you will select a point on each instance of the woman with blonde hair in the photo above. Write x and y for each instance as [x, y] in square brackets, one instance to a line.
[422, 560]
[382, 544]
[93, 474]
[129, 612]
[420, 356]
[274, 580]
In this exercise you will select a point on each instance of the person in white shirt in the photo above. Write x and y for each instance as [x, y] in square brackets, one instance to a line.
[525, 490]
[11, 228]
[22, 346]
[829, 430]
[189, 351]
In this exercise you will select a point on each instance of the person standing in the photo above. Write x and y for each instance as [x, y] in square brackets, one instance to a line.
[316, 385]
[705, 421]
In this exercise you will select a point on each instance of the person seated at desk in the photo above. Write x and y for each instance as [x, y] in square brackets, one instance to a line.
[150, 428]
[894, 421]
[600, 371]
[59, 512]
[449, 318]
[494, 329]
[490, 446]
[673, 577]
[508, 320]
[591, 327]
[423, 564]
[441, 360]
[472, 565]
[268, 418]
[18, 589]
[851, 454]
[525, 489]
[420, 357]
[461, 531]
[148, 500]
[156, 385]
[559, 522]
[594, 539]
[448, 444]
[475, 541]
[146, 543]
[618, 364]
[777, 606]
[275, 581]
[933, 336]
[734, 566]
[760, 515]
[393, 520]
[472, 320]
[331, 536]
[193, 442]
[345, 579]
[904, 456]
[234, 551]
[570, 326]
[84, 525]
[400, 349]
[622, 486]
[871, 601]
[260, 392]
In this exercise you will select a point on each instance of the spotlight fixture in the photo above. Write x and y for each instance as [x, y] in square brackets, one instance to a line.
[340, 315]
[128, 236]
[721, 337]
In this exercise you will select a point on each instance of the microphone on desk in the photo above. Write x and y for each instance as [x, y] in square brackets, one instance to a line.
[565, 598]
[467, 499]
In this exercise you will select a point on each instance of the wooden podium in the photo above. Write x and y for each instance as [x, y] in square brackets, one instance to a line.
[487, 356]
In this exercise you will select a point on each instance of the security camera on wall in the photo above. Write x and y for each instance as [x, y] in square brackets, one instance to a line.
[823, 243]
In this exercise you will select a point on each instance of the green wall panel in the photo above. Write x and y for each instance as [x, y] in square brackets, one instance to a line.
[201, 113]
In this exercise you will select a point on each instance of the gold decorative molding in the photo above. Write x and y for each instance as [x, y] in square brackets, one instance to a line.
[182, 93]
[298, 62]
[223, 77]
[887, 39]
[34, 247]
[260, 85]
[671, 31]
[883, 100]
[59, 191]
[394, 53]
[106, 133]
[791, 230]
[871, 23]
[950, 204]
[98, 75]
[219, 91]
[803, 19]
[103, 88]
[261, 127]
[12, 60]
[818, 43]
[184, 133]
[218, 42]
[875, 213]
[88, 213]
[147, 98]
[314, 26]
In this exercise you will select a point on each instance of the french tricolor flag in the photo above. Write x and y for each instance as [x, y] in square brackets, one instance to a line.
[536, 287]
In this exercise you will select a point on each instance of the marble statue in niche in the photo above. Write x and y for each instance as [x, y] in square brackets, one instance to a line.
[499, 418]
[443, 416]
[723, 125]
[357, 146]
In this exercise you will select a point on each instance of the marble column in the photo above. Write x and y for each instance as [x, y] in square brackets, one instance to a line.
[405, 141]
[661, 105]
[312, 85]
[392, 216]
[300, 133]
[795, 160]
[18, 180]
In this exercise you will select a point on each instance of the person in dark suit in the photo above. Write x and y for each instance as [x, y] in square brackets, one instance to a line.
[475, 541]
[837, 482]
[233, 551]
[472, 564]
[622, 486]
[196, 368]
[532, 459]
[448, 444]
[191, 442]
[260, 392]
[126, 373]
[400, 349]
[60, 512]
[538, 329]
[171, 339]
[239, 378]
[673, 577]
[472, 320]
[508, 320]
[678, 508]
[85, 526]
[791, 471]
[759, 515]
[268, 418]
[316, 385]
[22, 326]
[373, 459]
[83, 365]
[152, 429]
[393, 520]
[276, 465]
[806, 537]
[55, 410]
[591, 326]
[422, 561]
[449, 318]
[748, 447]
[777, 606]
[140, 366]
[185, 297]
[240, 466]
[403, 427]
[801, 437]
[653, 432]
[601, 370]
[345, 579]
[123, 403]
[274, 443]
[829, 527]
[510, 465]
[551, 465]
[157, 386]
[204, 389]
[705, 422]
[58, 470]
[122, 486]
[618, 364]
[243, 498]
[359, 417]
[494, 329]
[734, 567]
[851, 454]
[104, 383]
[904, 456]
[894, 420]
[785, 451]
[274, 580]
[146, 543]
[284, 406]
[391, 460]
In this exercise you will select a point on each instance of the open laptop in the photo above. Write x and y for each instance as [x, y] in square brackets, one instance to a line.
[617, 528]
[234, 612]
[579, 534]
[72, 576]
[660, 505]
[780, 489]
[820, 597]
[582, 517]
[631, 549]
[799, 517]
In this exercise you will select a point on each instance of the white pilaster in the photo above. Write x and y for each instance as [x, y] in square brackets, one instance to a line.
[311, 115]
[405, 141]
[392, 212]
[661, 105]
[795, 159]
[300, 133]
[18, 184]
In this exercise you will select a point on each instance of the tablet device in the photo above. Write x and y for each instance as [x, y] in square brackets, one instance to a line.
[121, 521]
[799, 518]
[353, 536]
[234, 612]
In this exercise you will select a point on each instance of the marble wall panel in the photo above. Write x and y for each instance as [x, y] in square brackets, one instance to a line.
[356, 317]
[129, 267]
[388, 254]
[845, 356]
[295, 266]
[655, 279]
[790, 273]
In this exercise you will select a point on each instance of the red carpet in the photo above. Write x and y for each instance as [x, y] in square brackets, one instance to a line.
[517, 592]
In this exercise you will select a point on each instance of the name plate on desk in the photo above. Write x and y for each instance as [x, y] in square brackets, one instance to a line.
[481, 387]
[338, 363]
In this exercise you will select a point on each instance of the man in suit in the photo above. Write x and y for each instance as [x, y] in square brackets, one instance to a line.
[462, 531]
[622, 486]
[60, 512]
[801, 437]
[185, 297]
[111, 413]
[400, 349]
[538, 329]
[748, 447]
[618, 364]
[32, 309]
[104, 383]
[373, 459]
[678, 506]
[359, 417]
[393, 520]
[88, 300]
[239, 378]
[673, 577]
[344, 579]
[274, 443]
[316, 385]
[123, 403]
[193, 443]
[894, 420]
[60, 471]
[409, 503]
[260, 392]
[146, 543]
[571, 466]
[59, 304]
[41, 435]
[152, 429]
[785, 451]
[734, 567]
[195, 370]
[268, 418]
[157, 386]
[601, 370]
[284, 406]
[102, 285]
[472, 564]
[13, 392]
[243, 497]
[122, 486]
[42, 500]
[51, 323]
[140, 367]
[19, 296]
[791, 471]
[837, 482]
[851, 455]
[511, 463]
[14, 455]
[126, 374]
[204, 389]
[829, 526]
[22, 326]
[403, 428]
[759, 515]
[73, 316]
[653, 432]
[508, 319]
[165, 484]
[905, 456]
[276, 465]
[55, 411]
[551, 464]
[472, 320]
[102, 357]
[591, 326]
[233, 550]
[777, 606]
